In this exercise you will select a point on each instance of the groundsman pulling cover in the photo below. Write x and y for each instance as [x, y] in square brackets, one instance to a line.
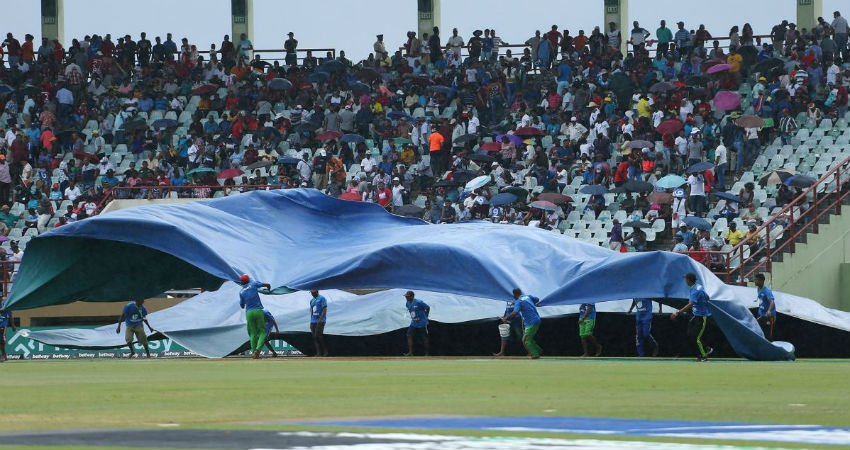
[302, 239]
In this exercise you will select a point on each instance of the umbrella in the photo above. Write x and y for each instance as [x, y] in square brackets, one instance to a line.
[308, 126]
[700, 167]
[81, 155]
[623, 87]
[554, 197]
[200, 170]
[768, 65]
[697, 222]
[528, 131]
[638, 186]
[718, 68]
[465, 139]
[491, 146]
[3, 238]
[368, 74]
[727, 100]
[800, 181]
[229, 173]
[518, 191]
[749, 121]
[641, 144]
[352, 196]
[401, 140]
[670, 181]
[408, 211]
[776, 177]
[349, 138]
[446, 183]
[318, 77]
[398, 115]
[477, 182]
[670, 126]
[259, 164]
[332, 66]
[5, 89]
[696, 80]
[288, 160]
[511, 137]
[749, 53]
[504, 198]
[271, 131]
[359, 88]
[483, 158]
[593, 189]
[138, 124]
[462, 176]
[660, 198]
[662, 86]
[280, 84]
[164, 123]
[544, 205]
[205, 89]
[637, 224]
[329, 135]
[727, 196]
[441, 89]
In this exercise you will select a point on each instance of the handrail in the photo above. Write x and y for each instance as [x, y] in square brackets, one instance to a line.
[809, 219]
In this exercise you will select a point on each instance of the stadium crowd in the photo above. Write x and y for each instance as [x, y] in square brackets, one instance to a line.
[567, 130]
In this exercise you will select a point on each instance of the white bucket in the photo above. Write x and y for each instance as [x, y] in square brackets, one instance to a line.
[504, 330]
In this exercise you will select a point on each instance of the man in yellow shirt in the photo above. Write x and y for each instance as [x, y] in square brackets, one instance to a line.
[733, 235]
[643, 107]
[734, 59]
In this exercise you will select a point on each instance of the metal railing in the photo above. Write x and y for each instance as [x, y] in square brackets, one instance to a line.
[9, 268]
[782, 230]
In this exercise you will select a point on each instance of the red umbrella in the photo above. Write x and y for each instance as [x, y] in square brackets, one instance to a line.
[232, 172]
[670, 126]
[544, 205]
[492, 146]
[528, 131]
[353, 196]
[205, 89]
[328, 135]
[81, 155]
[554, 197]
[718, 68]
[727, 100]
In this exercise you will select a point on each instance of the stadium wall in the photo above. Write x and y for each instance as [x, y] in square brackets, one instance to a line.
[820, 267]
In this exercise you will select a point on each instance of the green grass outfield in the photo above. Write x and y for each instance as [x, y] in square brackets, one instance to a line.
[48, 395]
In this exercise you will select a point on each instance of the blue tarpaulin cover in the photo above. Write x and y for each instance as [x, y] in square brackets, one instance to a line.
[303, 239]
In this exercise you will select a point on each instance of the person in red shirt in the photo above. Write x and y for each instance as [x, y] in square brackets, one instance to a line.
[384, 195]
[621, 174]
[27, 51]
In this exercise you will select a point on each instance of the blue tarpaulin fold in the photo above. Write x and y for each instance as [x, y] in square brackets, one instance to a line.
[303, 239]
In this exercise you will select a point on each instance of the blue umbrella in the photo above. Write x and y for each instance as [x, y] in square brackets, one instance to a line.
[799, 181]
[727, 196]
[332, 66]
[700, 167]
[355, 138]
[5, 89]
[398, 115]
[594, 189]
[164, 123]
[441, 89]
[505, 198]
[279, 84]
[670, 181]
[697, 222]
[477, 182]
[288, 160]
[318, 77]
[511, 137]
[359, 88]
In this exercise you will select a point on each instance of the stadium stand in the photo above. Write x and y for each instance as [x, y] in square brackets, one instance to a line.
[570, 135]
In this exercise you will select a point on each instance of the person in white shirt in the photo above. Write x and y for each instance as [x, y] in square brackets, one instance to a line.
[696, 196]
[721, 163]
[192, 153]
[474, 123]
[681, 144]
[398, 192]
[304, 168]
[367, 164]
[72, 192]
[525, 121]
